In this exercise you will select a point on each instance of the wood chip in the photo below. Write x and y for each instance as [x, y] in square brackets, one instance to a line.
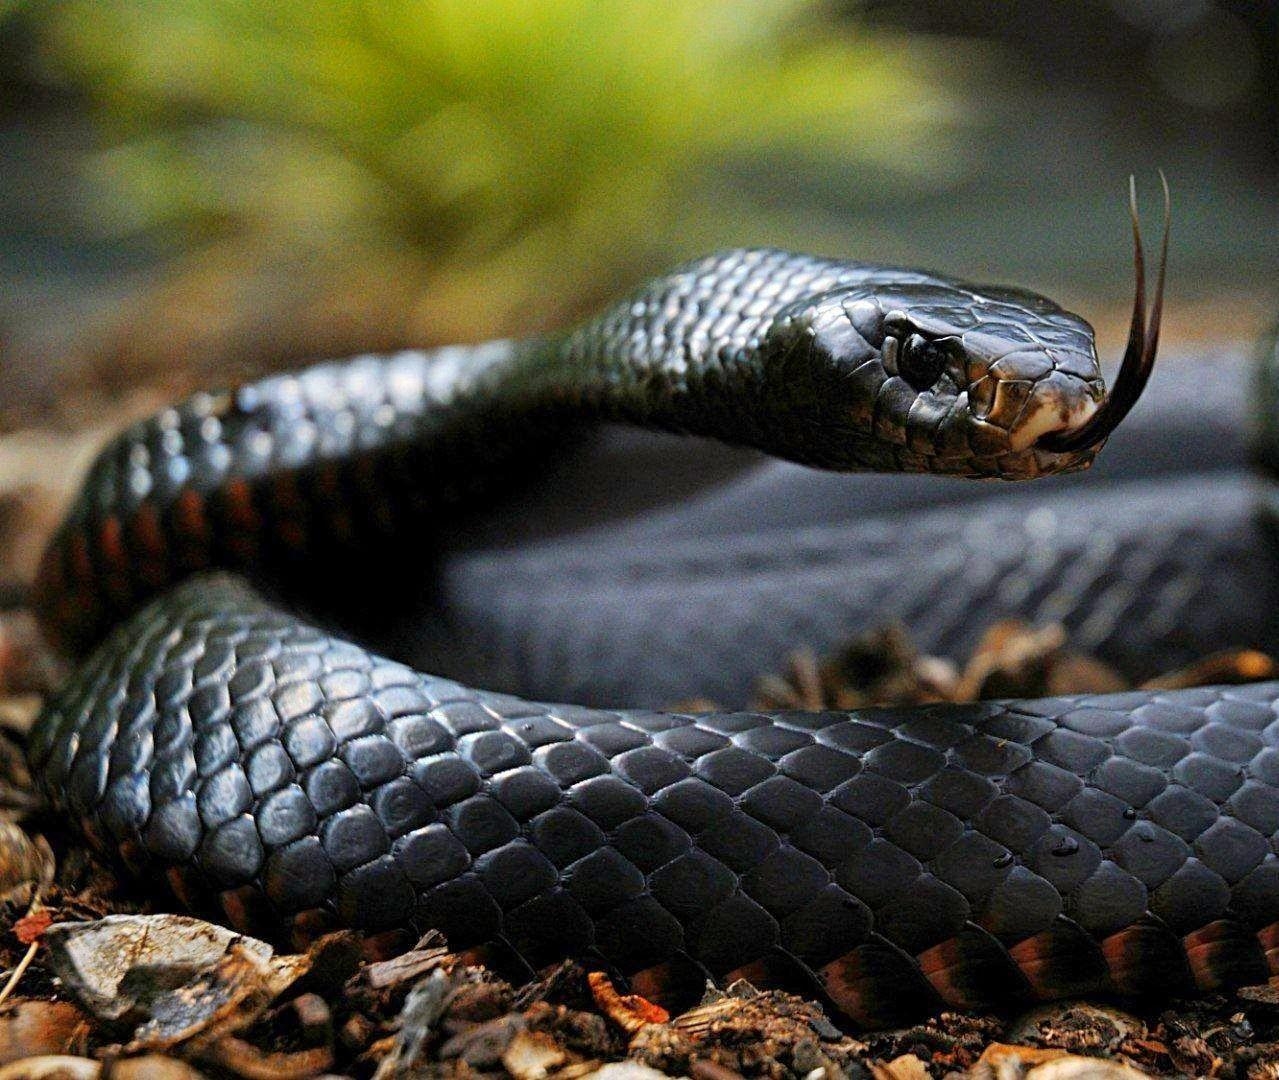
[1000, 1053]
[630, 1012]
[52, 1067]
[701, 1069]
[93, 959]
[37, 1028]
[531, 1055]
[1073, 1067]
[625, 1070]
[222, 999]
[153, 1067]
[906, 1067]
[245, 1059]
[408, 967]
[23, 858]
[313, 1016]
[1231, 666]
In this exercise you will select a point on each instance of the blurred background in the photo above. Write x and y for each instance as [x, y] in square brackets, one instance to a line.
[195, 191]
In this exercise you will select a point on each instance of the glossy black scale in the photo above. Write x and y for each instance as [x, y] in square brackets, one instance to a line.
[891, 859]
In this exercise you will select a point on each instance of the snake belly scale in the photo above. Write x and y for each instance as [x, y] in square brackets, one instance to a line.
[891, 861]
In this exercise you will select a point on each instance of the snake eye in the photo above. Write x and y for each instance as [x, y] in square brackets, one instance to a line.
[921, 362]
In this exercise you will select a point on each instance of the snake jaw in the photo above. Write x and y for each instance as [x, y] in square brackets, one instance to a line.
[1139, 354]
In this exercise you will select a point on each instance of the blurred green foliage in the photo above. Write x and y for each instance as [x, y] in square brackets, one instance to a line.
[528, 145]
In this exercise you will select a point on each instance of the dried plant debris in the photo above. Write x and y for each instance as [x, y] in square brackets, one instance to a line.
[23, 859]
[746, 1031]
[124, 964]
[188, 998]
[884, 667]
[37, 1028]
[1077, 1026]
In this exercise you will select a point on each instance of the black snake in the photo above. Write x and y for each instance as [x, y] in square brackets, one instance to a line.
[886, 860]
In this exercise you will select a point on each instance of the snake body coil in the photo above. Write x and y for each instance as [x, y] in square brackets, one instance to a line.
[889, 860]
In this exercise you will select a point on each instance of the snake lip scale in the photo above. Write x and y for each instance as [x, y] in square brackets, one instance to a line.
[889, 861]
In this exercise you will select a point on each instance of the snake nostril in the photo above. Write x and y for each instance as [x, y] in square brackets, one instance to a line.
[981, 396]
[1011, 398]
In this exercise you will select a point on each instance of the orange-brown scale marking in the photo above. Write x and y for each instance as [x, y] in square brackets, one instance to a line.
[1268, 936]
[1146, 958]
[1062, 961]
[779, 970]
[146, 530]
[307, 926]
[676, 985]
[242, 517]
[237, 497]
[189, 892]
[246, 908]
[111, 541]
[116, 574]
[973, 971]
[149, 543]
[878, 985]
[191, 520]
[1223, 954]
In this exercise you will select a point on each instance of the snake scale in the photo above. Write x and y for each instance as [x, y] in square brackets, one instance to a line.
[889, 861]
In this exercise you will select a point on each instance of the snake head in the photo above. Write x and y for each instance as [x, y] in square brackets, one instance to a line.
[912, 372]
[939, 377]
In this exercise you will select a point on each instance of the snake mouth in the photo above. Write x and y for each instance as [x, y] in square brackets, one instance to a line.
[1139, 354]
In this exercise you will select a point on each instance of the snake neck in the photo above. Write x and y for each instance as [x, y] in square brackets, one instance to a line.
[697, 351]
[336, 458]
